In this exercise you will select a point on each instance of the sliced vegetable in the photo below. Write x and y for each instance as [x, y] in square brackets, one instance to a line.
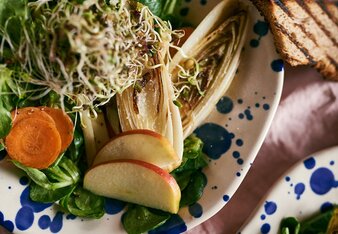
[100, 129]
[112, 115]
[134, 181]
[63, 124]
[34, 143]
[144, 145]
[207, 62]
[146, 106]
[30, 112]
[89, 137]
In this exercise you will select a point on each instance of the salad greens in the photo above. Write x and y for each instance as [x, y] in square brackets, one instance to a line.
[166, 10]
[325, 222]
[6, 121]
[86, 51]
[80, 62]
[140, 219]
[83, 203]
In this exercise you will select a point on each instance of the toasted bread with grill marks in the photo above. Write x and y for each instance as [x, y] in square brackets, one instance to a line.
[305, 32]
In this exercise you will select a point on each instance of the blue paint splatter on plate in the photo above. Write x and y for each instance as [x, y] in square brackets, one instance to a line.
[224, 105]
[270, 207]
[6, 223]
[44, 222]
[299, 190]
[322, 180]
[239, 142]
[56, 224]
[261, 28]
[310, 163]
[326, 206]
[196, 210]
[24, 218]
[25, 200]
[265, 228]
[217, 140]
[174, 225]
[277, 65]
[266, 106]
[113, 206]
[248, 114]
[236, 154]
[226, 198]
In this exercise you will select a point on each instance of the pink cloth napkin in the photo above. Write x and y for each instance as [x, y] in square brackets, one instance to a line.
[306, 121]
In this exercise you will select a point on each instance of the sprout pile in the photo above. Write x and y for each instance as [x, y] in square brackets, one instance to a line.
[85, 52]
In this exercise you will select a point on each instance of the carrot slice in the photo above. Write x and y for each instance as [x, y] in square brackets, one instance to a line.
[30, 112]
[34, 143]
[64, 125]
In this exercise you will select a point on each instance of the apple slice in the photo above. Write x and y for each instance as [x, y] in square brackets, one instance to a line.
[136, 182]
[141, 144]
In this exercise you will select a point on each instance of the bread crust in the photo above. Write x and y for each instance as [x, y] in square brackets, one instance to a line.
[305, 32]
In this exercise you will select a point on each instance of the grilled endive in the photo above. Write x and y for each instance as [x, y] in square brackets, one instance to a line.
[205, 67]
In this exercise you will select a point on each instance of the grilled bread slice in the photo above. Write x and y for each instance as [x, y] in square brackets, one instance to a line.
[305, 32]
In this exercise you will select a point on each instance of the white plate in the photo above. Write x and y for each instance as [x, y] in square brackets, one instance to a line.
[308, 187]
[233, 135]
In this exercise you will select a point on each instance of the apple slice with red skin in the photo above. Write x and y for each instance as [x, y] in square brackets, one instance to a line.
[140, 144]
[136, 182]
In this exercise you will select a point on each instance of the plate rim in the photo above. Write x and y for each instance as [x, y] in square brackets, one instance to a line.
[292, 169]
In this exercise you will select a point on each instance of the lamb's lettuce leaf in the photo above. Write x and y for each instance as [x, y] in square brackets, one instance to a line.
[166, 10]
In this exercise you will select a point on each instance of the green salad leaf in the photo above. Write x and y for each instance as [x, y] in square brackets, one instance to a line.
[40, 194]
[189, 175]
[166, 10]
[194, 189]
[60, 176]
[140, 219]
[316, 224]
[10, 9]
[6, 121]
[290, 225]
[83, 203]
[12, 15]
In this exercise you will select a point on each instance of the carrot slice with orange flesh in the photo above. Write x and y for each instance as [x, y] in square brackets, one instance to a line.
[64, 125]
[30, 112]
[34, 143]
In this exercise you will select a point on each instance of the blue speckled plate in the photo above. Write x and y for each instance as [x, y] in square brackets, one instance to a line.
[233, 134]
[306, 189]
